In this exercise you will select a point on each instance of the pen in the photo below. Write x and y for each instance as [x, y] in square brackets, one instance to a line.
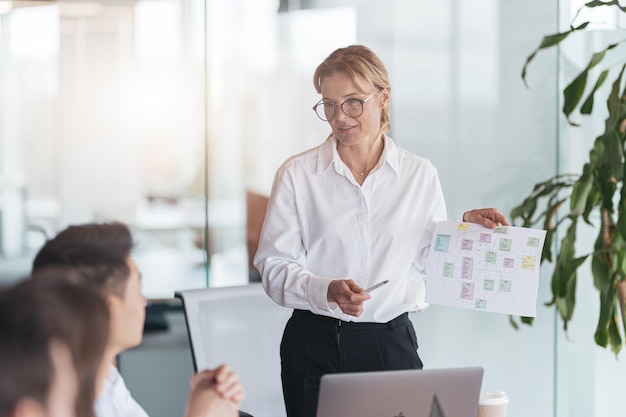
[376, 286]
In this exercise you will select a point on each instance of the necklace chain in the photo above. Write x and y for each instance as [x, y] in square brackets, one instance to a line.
[368, 168]
[366, 171]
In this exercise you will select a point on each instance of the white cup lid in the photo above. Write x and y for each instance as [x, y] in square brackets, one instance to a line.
[493, 398]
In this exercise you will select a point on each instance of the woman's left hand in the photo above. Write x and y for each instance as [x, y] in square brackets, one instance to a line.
[488, 217]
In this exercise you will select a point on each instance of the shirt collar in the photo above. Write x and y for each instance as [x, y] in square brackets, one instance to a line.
[328, 154]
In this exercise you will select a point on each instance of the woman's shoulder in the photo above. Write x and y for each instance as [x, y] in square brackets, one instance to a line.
[300, 157]
[304, 159]
[410, 159]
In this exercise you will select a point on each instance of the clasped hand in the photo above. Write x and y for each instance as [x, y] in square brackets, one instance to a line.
[214, 393]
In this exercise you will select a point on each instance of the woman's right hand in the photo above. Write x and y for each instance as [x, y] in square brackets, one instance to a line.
[348, 296]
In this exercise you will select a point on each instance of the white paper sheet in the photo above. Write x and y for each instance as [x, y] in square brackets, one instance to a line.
[495, 270]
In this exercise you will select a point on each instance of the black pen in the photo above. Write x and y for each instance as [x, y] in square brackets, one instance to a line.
[374, 287]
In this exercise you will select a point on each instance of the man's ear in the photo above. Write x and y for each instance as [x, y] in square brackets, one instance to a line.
[28, 407]
[113, 305]
[110, 300]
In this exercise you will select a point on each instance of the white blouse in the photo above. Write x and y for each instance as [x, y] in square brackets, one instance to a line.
[114, 399]
[321, 225]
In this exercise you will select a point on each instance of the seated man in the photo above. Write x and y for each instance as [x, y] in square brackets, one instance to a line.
[53, 338]
[101, 255]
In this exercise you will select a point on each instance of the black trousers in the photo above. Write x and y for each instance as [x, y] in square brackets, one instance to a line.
[314, 345]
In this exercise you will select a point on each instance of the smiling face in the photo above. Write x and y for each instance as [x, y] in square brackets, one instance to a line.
[337, 87]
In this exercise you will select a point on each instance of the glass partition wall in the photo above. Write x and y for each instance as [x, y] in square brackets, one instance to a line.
[166, 114]
[172, 116]
[107, 115]
[103, 119]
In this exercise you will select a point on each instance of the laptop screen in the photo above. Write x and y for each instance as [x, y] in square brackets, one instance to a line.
[451, 392]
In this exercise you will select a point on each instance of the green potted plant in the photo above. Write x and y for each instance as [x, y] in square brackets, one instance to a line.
[596, 195]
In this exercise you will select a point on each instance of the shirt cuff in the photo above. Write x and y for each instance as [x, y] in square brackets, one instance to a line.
[318, 293]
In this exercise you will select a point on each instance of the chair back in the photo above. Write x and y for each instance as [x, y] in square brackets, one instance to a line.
[243, 327]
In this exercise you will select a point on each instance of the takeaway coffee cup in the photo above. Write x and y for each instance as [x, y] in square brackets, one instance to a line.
[492, 404]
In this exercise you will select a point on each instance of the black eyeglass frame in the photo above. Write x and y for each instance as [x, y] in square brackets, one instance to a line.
[353, 100]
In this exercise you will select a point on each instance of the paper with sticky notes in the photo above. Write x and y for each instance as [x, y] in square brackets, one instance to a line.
[494, 270]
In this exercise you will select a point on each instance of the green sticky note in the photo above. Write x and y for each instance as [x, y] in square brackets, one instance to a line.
[533, 242]
[505, 245]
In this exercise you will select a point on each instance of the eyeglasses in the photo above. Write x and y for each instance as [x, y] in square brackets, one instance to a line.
[353, 107]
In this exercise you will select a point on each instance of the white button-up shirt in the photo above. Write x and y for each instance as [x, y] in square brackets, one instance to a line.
[114, 399]
[321, 225]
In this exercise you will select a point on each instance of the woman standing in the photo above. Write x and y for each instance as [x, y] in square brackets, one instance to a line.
[353, 212]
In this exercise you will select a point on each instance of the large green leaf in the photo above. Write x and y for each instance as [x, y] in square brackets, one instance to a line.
[606, 183]
[622, 309]
[557, 275]
[548, 189]
[525, 211]
[563, 269]
[570, 274]
[597, 3]
[565, 305]
[580, 192]
[620, 267]
[615, 339]
[549, 41]
[546, 254]
[614, 104]
[621, 213]
[592, 201]
[564, 276]
[587, 106]
[596, 155]
[573, 93]
[607, 304]
[599, 266]
[615, 159]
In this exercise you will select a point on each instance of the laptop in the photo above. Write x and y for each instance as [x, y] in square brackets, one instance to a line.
[448, 392]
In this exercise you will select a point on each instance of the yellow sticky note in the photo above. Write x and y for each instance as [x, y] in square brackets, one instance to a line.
[528, 262]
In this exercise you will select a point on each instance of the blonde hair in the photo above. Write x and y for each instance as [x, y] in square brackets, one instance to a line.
[357, 61]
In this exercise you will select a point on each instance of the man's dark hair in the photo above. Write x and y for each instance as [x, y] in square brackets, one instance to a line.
[98, 252]
[33, 315]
